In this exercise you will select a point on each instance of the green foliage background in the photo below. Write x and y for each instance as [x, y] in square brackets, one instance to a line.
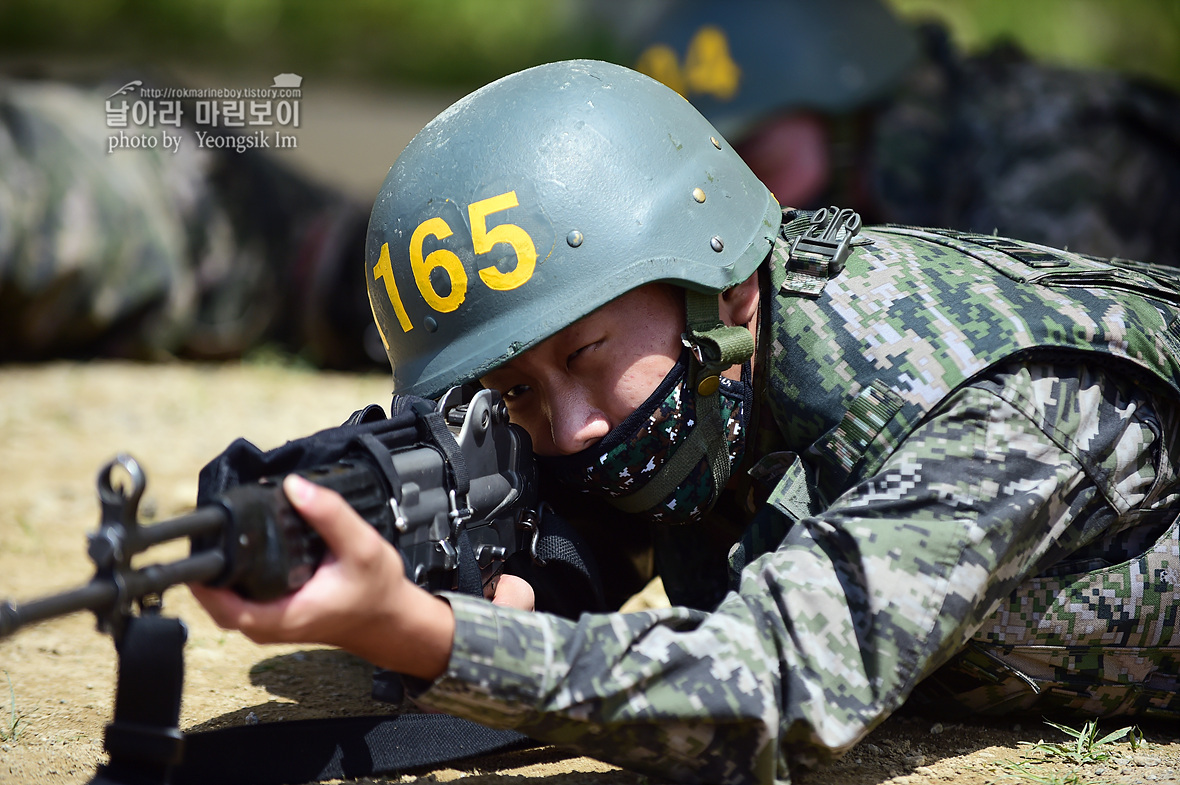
[467, 42]
[1136, 36]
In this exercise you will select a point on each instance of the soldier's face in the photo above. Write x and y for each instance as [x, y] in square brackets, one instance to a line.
[572, 389]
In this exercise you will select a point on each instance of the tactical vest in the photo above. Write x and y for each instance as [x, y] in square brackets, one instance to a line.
[871, 332]
[865, 346]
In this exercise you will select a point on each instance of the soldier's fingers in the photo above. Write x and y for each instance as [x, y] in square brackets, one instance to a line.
[222, 605]
[514, 592]
[343, 530]
[265, 622]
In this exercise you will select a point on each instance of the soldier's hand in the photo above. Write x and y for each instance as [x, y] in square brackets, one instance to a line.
[359, 599]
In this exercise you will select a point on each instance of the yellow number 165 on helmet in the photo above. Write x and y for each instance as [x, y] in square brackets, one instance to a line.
[540, 197]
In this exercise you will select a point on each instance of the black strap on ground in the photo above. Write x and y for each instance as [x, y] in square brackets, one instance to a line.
[282, 753]
[144, 739]
[146, 746]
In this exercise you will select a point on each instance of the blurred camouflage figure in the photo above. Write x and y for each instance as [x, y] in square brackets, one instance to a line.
[148, 253]
[874, 464]
[840, 102]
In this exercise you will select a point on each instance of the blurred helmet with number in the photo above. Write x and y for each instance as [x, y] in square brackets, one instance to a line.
[540, 197]
[740, 62]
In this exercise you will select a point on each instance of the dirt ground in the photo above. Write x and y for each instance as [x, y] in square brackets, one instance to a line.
[60, 422]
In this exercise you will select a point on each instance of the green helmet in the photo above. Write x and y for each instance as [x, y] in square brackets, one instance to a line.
[742, 61]
[540, 197]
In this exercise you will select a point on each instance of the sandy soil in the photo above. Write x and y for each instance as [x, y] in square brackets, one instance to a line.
[60, 422]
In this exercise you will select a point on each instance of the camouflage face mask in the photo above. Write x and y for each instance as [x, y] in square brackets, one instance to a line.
[633, 453]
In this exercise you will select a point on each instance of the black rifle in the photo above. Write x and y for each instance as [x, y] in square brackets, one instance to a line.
[444, 483]
[452, 485]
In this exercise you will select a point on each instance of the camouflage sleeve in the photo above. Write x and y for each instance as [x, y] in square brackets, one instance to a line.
[829, 633]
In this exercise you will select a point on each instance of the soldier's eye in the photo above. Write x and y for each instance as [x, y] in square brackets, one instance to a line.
[587, 348]
[514, 393]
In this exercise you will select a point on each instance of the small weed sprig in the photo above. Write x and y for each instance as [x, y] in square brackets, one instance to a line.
[11, 729]
[1086, 747]
[1083, 748]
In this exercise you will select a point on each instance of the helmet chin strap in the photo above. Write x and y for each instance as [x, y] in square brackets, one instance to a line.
[714, 347]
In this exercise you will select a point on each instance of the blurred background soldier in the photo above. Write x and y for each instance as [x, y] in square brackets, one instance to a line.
[209, 253]
[149, 253]
[841, 102]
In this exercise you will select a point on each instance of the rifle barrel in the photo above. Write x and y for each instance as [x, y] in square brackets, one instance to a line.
[205, 520]
[95, 594]
[102, 593]
[155, 578]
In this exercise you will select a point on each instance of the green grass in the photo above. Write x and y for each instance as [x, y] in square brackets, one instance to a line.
[11, 728]
[274, 356]
[1024, 771]
[1085, 746]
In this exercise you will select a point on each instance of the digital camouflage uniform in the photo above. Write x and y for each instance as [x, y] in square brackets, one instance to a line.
[967, 459]
[148, 253]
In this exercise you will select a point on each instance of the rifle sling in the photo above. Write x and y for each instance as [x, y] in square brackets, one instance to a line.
[445, 441]
[335, 748]
[143, 739]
